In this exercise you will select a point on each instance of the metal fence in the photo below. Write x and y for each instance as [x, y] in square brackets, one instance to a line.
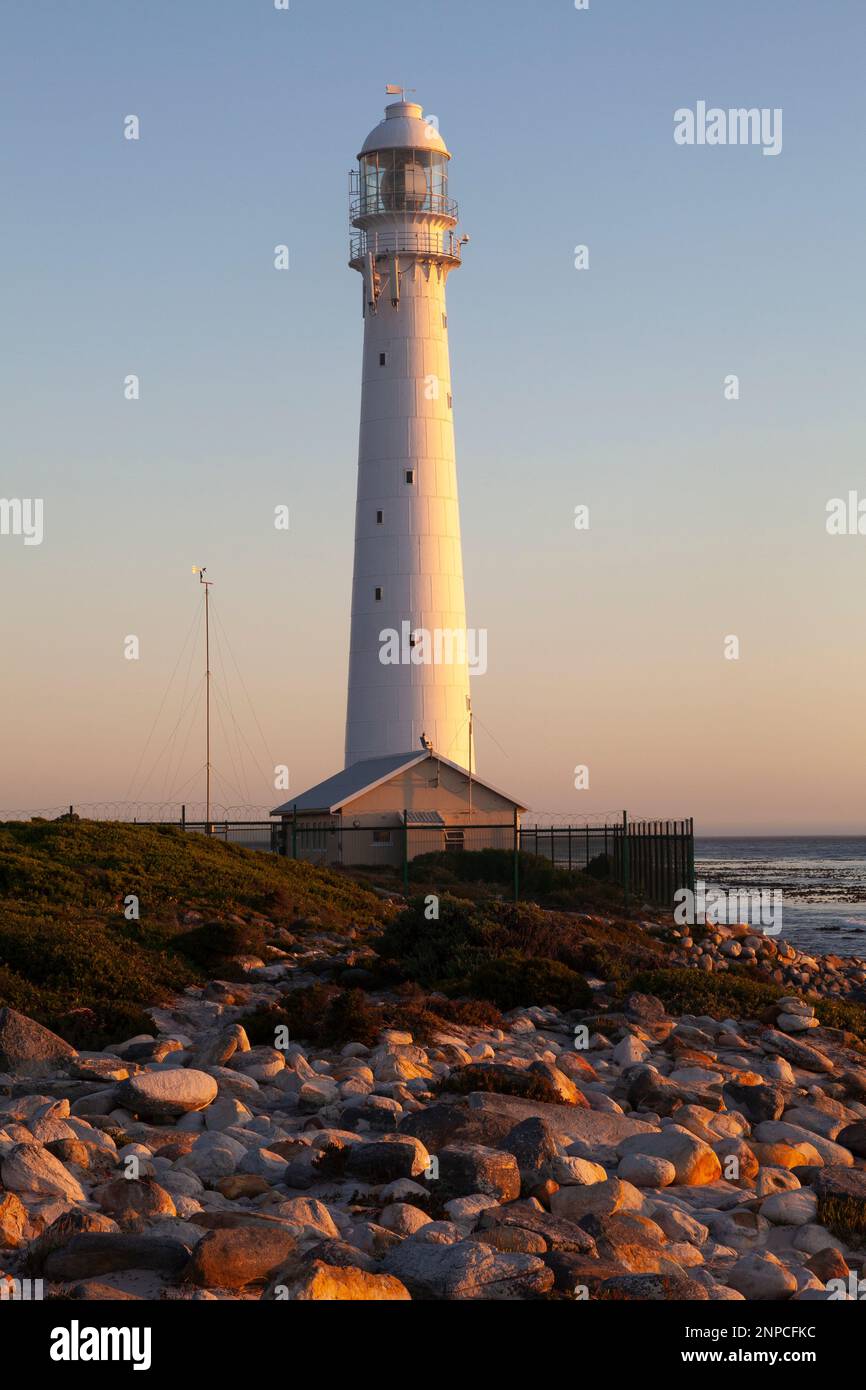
[649, 860]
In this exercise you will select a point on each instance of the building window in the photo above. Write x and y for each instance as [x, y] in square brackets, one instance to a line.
[410, 476]
[453, 839]
[450, 400]
[380, 517]
[444, 320]
[378, 593]
[381, 837]
[383, 359]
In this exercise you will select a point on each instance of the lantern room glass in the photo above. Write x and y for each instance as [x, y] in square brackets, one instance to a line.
[403, 180]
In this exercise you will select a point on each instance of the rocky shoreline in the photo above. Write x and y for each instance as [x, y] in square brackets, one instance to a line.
[615, 1153]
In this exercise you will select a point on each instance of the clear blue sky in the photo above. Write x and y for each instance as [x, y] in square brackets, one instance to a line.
[601, 387]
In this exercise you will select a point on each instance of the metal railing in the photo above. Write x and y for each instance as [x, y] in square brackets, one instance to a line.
[371, 204]
[435, 244]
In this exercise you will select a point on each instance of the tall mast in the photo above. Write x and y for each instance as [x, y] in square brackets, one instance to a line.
[201, 570]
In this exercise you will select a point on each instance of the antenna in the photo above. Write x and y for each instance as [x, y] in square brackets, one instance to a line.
[469, 707]
[201, 571]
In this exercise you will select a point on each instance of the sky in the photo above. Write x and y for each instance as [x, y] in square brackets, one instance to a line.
[603, 387]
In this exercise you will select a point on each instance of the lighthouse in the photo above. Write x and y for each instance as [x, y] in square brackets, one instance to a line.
[409, 785]
[408, 652]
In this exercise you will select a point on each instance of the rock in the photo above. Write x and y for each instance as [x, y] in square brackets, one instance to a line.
[629, 1051]
[28, 1049]
[853, 1137]
[557, 1232]
[566, 1091]
[828, 1263]
[90, 1255]
[798, 1053]
[841, 1194]
[218, 1047]
[645, 1170]
[791, 1208]
[761, 1278]
[60, 1231]
[403, 1219]
[775, 1131]
[465, 1211]
[131, 1201]
[231, 1259]
[632, 1241]
[694, 1161]
[316, 1281]
[387, 1159]
[466, 1169]
[310, 1214]
[654, 1288]
[164, 1095]
[568, 1170]
[467, 1269]
[601, 1198]
[31, 1168]
[796, 1023]
[757, 1103]
[13, 1219]
[677, 1225]
[598, 1133]
[533, 1144]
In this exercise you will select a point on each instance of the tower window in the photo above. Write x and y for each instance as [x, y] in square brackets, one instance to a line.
[383, 359]
[444, 320]
[410, 476]
[378, 593]
[450, 400]
[380, 517]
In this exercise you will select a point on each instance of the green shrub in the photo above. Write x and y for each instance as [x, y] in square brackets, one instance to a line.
[728, 995]
[321, 1014]
[511, 981]
[213, 945]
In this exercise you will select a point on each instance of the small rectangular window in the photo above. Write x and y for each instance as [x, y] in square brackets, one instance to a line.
[380, 517]
[410, 476]
[383, 359]
[381, 837]
[378, 595]
[453, 839]
[444, 320]
[450, 400]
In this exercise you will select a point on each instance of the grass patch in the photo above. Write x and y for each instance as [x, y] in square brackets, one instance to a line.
[70, 959]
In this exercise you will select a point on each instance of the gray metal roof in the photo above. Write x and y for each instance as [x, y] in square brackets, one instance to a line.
[329, 796]
[344, 786]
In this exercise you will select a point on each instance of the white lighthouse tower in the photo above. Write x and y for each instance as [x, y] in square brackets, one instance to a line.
[408, 577]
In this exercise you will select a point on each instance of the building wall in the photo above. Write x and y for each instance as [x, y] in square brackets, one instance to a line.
[429, 786]
[414, 554]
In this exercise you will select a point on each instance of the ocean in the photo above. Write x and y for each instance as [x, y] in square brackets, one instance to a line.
[822, 880]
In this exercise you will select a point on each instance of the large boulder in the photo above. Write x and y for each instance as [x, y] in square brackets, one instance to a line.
[28, 1049]
[233, 1258]
[467, 1269]
[165, 1095]
[762, 1278]
[465, 1169]
[87, 1255]
[315, 1281]
[31, 1168]
[694, 1161]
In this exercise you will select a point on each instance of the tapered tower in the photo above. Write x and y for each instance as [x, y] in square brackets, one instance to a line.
[406, 685]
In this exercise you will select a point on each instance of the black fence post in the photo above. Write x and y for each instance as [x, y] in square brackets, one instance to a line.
[406, 851]
[516, 856]
[295, 831]
[625, 859]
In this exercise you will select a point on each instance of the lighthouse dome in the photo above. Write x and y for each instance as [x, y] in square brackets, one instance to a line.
[404, 127]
